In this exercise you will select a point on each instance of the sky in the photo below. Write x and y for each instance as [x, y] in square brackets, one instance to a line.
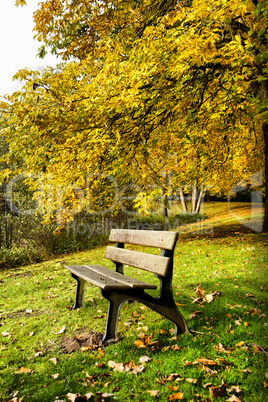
[18, 49]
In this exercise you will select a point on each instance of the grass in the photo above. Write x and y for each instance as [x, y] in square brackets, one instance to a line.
[226, 355]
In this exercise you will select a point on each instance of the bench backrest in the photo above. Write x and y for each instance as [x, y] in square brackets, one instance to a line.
[157, 264]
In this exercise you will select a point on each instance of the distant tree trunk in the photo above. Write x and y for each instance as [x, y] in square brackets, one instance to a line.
[198, 204]
[194, 197]
[265, 133]
[183, 203]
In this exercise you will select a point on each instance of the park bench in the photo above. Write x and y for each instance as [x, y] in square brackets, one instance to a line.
[119, 288]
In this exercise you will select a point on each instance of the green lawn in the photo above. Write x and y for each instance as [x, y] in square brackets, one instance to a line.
[226, 358]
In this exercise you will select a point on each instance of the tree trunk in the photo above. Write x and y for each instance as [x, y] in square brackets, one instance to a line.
[265, 133]
[198, 205]
[164, 208]
[183, 203]
[194, 197]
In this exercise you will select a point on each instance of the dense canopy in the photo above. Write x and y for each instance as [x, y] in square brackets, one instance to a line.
[152, 97]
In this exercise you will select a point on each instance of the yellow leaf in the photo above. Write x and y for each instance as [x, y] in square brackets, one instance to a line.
[175, 397]
[240, 343]
[23, 370]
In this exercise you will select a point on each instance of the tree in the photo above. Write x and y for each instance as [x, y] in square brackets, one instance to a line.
[139, 72]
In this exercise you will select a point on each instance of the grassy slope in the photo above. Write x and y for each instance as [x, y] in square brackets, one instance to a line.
[231, 331]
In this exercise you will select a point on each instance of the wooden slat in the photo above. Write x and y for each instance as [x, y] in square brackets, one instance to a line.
[159, 239]
[106, 278]
[149, 262]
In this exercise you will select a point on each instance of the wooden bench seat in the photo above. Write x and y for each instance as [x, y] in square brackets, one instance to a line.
[119, 288]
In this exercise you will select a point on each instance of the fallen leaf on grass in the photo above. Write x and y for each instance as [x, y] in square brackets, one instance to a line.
[234, 388]
[191, 380]
[53, 360]
[129, 367]
[203, 297]
[145, 341]
[153, 392]
[172, 388]
[23, 370]
[240, 343]
[55, 375]
[247, 370]
[175, 397]
[194, 314]
[144, 359]
[207, 385]
[38, 353]
[221, 348]
[265, 384]
[4, 333]
[171, 377]
[61, 330]
[234, 398]
[205, 361]
[77, 397]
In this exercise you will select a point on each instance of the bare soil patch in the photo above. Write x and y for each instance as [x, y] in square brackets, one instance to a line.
[83, 339]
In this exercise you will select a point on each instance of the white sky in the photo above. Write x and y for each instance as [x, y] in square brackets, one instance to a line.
[18, 49]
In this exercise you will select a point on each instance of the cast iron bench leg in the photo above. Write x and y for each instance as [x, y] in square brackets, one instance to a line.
[115, 302]
[80, 290]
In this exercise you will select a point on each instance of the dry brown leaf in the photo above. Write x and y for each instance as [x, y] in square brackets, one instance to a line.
[5, 333]
[144, 359]
[209, 298]
[131, 366]
[104, 395]
[207, 385]
[247, 370]
[209, 371]
[23, 370]
[53, 360]
[38, 353]
[221, 348]
[265, 384]
[140, 344]
[116, 366]
[97, 364]
[205, 361]
[200, 292]
[78, 397]
[171, 377]
[234, 388]
[172, 388]
[191, 380]
[153, 392]
[194, 314]
[234, 398]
